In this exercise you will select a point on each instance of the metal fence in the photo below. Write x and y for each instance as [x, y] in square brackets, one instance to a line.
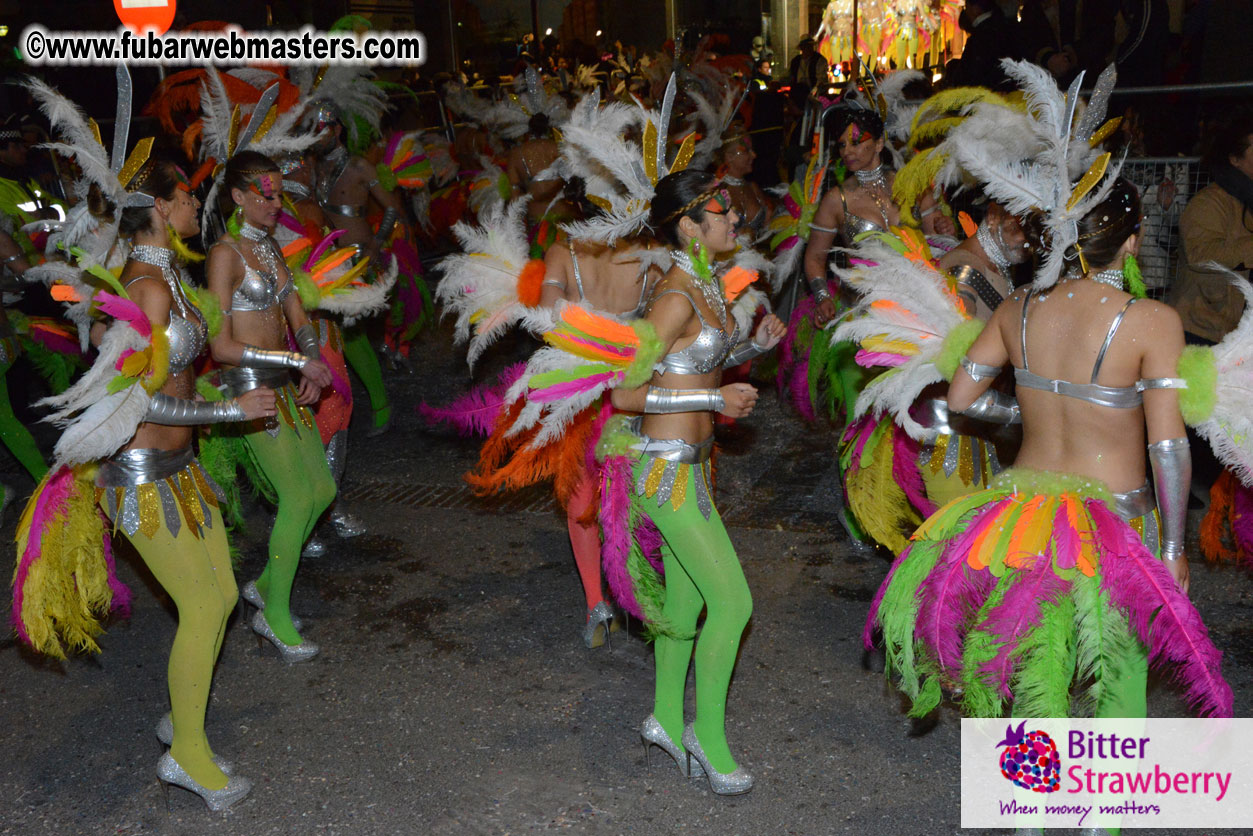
[1166, 185]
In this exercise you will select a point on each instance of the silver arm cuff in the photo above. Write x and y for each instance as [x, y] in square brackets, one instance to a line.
[1171, 461]
[386, 225]
[979, 371]
[995, 407]
[265, 358]
[307, 339]
[742, 353]
[818, 287]
[180, 412]
[659, 400]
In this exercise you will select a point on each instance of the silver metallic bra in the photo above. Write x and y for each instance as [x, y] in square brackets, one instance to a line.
[640, 307]
[187, 333]
[1114, 397]
[259, 290]
[705, 353]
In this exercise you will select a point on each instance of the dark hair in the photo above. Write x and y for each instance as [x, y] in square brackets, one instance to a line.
[242, 168]
[538, 125]
[867, 120]
[1102, 231]
[676, 197]
[157, 178]
[1231, 140]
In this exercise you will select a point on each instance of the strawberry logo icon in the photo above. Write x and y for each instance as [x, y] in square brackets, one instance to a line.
[1030, 759]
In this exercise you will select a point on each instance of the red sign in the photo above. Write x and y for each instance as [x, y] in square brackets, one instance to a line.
[142, 15]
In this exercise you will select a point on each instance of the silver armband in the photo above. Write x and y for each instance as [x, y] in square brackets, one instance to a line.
[818, 287]
[180, 412]
[307, 339]
[742, 353]
[386, 225]
[979, 371]
[659, 400]
[995, 407]
[1171, 461]
[266, 358]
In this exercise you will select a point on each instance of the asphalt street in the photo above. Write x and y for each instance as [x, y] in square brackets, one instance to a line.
[453, 694]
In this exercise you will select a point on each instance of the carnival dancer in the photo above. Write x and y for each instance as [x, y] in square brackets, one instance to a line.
[127, 446]
[247, 274]
[1053, 577]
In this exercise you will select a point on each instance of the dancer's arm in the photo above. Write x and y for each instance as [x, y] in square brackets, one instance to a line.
[821, 239]
[315, 374]
[556, 276]
[973, 376]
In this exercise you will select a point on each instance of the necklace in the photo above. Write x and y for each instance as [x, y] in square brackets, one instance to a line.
[710, 286]
[1113, 278]
[875, 182]
[261, 249]
[164, 259]
[732, 181]
[992, 248]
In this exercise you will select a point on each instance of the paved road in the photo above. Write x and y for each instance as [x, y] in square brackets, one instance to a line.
[453, 695]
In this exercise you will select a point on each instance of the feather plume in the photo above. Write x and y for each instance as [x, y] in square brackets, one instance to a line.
[476, 412]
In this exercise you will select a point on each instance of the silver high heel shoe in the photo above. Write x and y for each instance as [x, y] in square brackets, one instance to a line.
[252, 595]
[654, 735]
[346, 525]
[315, 546]
[291, 653]
[599, 624]
[722, 783]
[169, 772]
[165, 733]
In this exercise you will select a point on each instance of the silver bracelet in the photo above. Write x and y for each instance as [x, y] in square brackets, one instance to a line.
[266, 358]
[386, 225]
[307, 339]
[995, 407]
[661, 401]
[979, 371]
[181, 412]
[818, 287]
[1171, 461]
[743, 352]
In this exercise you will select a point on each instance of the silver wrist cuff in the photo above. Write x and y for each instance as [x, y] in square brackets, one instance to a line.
[661, 401]
[979, 371]
[995, 407]
[180, 412]
[307, 339]
[742, 353]
[265, 358]
[386, 225]
[1171, 461]
[818, 287]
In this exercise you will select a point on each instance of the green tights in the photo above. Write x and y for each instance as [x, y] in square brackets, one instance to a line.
[295, 464]
[365, 362]
[196, 573]
[701, 571]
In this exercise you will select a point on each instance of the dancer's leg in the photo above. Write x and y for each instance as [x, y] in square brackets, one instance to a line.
[585, 540]
[16, 437]
[365, 362]
[295, 464]
[196, 572]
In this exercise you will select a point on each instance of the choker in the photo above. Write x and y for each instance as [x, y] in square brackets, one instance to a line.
[709, 285]
[155, 256]
[993, 248]
[1112, 277]
[163, 258]
[252, 233]
[732, 181]
[872, 177]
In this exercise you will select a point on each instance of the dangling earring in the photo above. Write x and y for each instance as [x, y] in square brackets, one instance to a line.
[181, 250]
[235, 221]
[700, 259]
[1135, 280]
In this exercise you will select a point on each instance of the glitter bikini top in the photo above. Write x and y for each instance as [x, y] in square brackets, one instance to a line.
[187, 332]
[705, 353]
[855, 225]
[259, 290]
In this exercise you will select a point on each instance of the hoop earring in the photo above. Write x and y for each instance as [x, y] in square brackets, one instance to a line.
[1135, 279]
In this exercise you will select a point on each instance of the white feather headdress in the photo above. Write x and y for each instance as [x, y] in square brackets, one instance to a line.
[344, 92]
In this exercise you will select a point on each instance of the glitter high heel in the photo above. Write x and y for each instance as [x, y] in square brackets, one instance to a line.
[169, 772]
[252, 595]
[291, 653]
[346, 525]
[654, 735]
[165, 733]
[722, 783]
[599, 624]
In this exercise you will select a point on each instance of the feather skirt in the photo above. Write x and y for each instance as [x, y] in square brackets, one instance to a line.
[883, 484]
[1030, 595]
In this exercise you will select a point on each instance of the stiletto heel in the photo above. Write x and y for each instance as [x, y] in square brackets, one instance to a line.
[653, 734]
[170, 772]
[596, 630]
[722, 783]
[291, 653]
[165, 734]
[252, 595]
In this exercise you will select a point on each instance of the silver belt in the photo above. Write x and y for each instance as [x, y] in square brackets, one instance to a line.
[345, 210]
[1135, 503]
[671, 449]
[137, 467]
[243, 379]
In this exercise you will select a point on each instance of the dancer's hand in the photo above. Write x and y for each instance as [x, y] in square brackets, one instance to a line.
[943, 225]
[769, 332]
[308, 393]
[824, 312]
[258, 403]
[739, 400]
[317, 373]
[1179, 571]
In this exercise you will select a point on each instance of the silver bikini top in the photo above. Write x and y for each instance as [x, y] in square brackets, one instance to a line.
[259, 290]
[640, 307]
[1114, 397]
[705, 353]
[187, 333]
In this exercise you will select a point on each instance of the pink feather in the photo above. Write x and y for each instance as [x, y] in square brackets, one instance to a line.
[1242, 522]
[869, 359]
[1160, 614]
[290, 222]
[124, 309]
[1017, 614]
[475, 413]
[872, 617]
[649, 538]
[559, 391]
[905, 452]
[948, 599]
[322, 247]
[1065, 541]
[392, 145]
[858, 433]
[615, 516]
[121, 603]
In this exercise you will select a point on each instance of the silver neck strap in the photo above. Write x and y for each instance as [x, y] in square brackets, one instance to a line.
[872, 177]
[992, 248]
[252, 233]
[1113, 278]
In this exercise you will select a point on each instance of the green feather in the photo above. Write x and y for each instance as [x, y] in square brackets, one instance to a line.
[898, 612]
[56, 368]
[956, 345]
[616, 439]
[649, 588]
[1046, 482]
[206, 301]
[1046, 663]
[1105, 647]
[1135, 279]
[1199, 368]
[308, 290]
[978, 698]
[646, 355]
[387, 179]
[551, 378]
[928, 698]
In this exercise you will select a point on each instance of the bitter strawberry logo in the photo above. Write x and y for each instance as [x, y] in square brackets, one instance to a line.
[1030, 759]
[142, 15]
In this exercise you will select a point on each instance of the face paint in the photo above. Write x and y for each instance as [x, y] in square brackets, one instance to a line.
[719, 203]
[265, 185]
[183, 185]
